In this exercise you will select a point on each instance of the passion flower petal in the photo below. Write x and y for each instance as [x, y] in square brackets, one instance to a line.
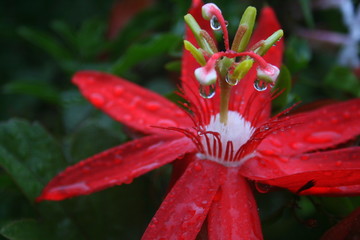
[233, 214]
[116, 166]
[334, 168]
[129, 103]
[185, 208]
[318, 129]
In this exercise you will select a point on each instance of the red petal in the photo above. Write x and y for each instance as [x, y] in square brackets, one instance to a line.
[184, 209]
[348, 228]
[335, 168]
[319, 129]
[129, 103]
[234, 215]
[348, 191]
[116, 166]
[253, 105]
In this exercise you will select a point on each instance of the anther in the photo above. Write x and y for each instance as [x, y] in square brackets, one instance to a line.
[211, 12]
[205, 75]
[268, 74]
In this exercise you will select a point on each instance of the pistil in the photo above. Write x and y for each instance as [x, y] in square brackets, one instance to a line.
[222, 66]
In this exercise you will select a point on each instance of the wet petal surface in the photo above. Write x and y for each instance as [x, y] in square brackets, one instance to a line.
[233, 214]
[129, 103]
[185, 208]
[116, 166]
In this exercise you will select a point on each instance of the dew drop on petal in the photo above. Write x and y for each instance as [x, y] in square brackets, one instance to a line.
[231, 82]
[304, 157]
[207, 91]
[153, 106]
[297, 145]
[346, 115]
[118, 90]
[198, 166]
[338, 163]
[260, 85]
[97, 99]
[214, 24]
[262, 188]
[322, 137]
[167, 123]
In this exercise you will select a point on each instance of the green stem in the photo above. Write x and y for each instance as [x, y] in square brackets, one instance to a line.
[225, 88]
[224, 101]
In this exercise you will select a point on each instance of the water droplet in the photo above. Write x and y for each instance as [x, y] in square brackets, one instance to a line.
[128, 180]
[262, 188]
[207, 91]
[153, 106]
[297, 145]
[346, 115]
[276, 142]
[198, 166]
[97, 99]
[118, 90]
[127, 117]
[334, 120]
[167, 123]
[304, 157]
[260, 85]
[268, 152]
[214, 24]
[231, 82]
[118, 159]
[322, 137]
[338, 163]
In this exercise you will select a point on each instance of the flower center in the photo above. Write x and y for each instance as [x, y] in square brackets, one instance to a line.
[222, 143]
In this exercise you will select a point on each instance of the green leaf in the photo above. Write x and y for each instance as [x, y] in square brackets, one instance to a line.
[340, 206]
[65, 31]
[297, 54]
[90, 39]
[26, 229]
[89, 133]
[343, 79]
[39, 90]
[46, 42]
[306, 8]
[139, 52]
[29, 155]
[283, 84]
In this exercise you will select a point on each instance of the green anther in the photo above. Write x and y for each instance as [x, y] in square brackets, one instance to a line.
[196, 30]
[269, 42]
[195, 52]
[242, 69]
[247, 22]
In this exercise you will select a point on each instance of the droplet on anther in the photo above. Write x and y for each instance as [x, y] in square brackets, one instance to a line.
[260, 85]
[214, 24]
[207, 91]
[230, 81]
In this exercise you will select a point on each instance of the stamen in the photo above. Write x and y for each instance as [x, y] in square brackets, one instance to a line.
[268, 74]
[197, 54]
[206, 75]
[246, 23]
[210, 11]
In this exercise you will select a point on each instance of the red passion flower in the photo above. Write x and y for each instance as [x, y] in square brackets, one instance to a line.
[222, 137]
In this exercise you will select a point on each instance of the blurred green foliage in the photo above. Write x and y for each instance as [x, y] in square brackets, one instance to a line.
[45, 42]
